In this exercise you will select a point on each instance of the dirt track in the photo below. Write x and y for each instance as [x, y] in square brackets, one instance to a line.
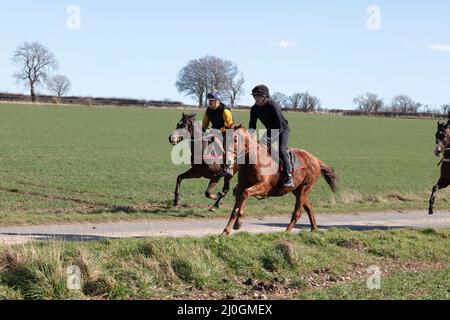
[203, 227]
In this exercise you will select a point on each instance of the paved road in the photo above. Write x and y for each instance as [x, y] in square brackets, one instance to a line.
[203, 227]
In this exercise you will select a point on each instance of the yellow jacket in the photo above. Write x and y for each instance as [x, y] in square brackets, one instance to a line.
[227, 120]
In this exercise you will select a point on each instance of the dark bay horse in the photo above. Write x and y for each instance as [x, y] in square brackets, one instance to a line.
[213, 172]
[442, 146]
[252, 181]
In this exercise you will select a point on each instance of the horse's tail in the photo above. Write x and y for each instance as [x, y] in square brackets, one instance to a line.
[330, 175]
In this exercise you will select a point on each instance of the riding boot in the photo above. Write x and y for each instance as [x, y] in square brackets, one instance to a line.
[288, 181]
[226, 171]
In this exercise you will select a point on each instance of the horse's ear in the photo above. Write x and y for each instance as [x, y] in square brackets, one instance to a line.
[238, 127]
[192, 115]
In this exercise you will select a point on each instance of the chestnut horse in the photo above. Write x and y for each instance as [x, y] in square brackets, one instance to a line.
[442, 146]
[213, 172]
[253, 181]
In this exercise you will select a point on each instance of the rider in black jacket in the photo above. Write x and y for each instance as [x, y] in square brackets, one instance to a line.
[269, 113]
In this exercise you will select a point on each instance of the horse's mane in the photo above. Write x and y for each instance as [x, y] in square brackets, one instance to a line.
[249, 137]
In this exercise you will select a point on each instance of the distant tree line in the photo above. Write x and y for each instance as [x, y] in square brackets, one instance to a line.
[93, 101]
[372, 103]
[37, 66]
[304, 101]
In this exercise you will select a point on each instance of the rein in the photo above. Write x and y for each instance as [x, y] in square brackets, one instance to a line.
[203, 138]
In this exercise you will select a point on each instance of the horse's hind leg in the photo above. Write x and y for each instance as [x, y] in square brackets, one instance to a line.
[297, 210]
[309, 210]
[190, 174]
[440, 185]
[212, 184]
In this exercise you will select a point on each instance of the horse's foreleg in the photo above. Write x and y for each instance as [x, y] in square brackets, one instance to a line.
[234, 213]
[442, 183]
[432, 198]
[225, 190]
[256, 190]
[240, 215]
[190, 174]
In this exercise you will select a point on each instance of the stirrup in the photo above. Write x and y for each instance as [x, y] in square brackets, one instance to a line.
[226, 173]
[288, 182]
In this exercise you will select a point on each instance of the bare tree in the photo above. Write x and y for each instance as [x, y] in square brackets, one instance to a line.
[403, 103]
[236, 88]
[35, 62]
[295, 100]
[209, 74]
[309, 102]
[192, 80]
[219, 73]
[445, 108]
[59, 85]
[425, 109]
[280, 98]
[369, 102]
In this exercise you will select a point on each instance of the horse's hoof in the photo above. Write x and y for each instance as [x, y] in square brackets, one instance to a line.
[430, 212]
[213, 209]
[211, 196]
[237, 226]
[225, 233]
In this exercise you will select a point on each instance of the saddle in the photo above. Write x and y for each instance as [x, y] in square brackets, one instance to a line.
[215, 148]
[295, 161]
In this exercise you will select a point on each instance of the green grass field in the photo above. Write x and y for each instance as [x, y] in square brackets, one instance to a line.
[76, 164]
[66, 164]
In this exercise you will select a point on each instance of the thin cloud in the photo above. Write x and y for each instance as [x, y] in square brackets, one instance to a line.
[285, 44]
[440, 47]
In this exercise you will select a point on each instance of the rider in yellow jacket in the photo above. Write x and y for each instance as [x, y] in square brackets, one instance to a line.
[218, 114]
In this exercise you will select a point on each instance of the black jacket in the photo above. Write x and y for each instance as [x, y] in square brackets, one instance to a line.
[270, 115]
[216, 116]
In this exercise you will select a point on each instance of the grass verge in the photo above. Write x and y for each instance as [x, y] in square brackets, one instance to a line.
[330, 265]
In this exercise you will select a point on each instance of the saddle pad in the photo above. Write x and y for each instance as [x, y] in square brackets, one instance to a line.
[295, 161]
[212, 157]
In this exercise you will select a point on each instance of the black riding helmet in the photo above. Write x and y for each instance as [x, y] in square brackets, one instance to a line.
[261, 90]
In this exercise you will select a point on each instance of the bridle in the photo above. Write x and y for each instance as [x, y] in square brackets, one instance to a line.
[235, 144]
[444, 159]
[446, 148]
[189, 128]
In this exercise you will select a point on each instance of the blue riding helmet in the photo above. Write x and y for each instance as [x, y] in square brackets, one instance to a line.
[213, 96]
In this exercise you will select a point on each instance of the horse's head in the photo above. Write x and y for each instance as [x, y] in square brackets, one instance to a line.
[237, 145]
[185, 125]
[442, 138]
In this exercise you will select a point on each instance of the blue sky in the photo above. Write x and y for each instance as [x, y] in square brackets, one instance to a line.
[136, 48]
